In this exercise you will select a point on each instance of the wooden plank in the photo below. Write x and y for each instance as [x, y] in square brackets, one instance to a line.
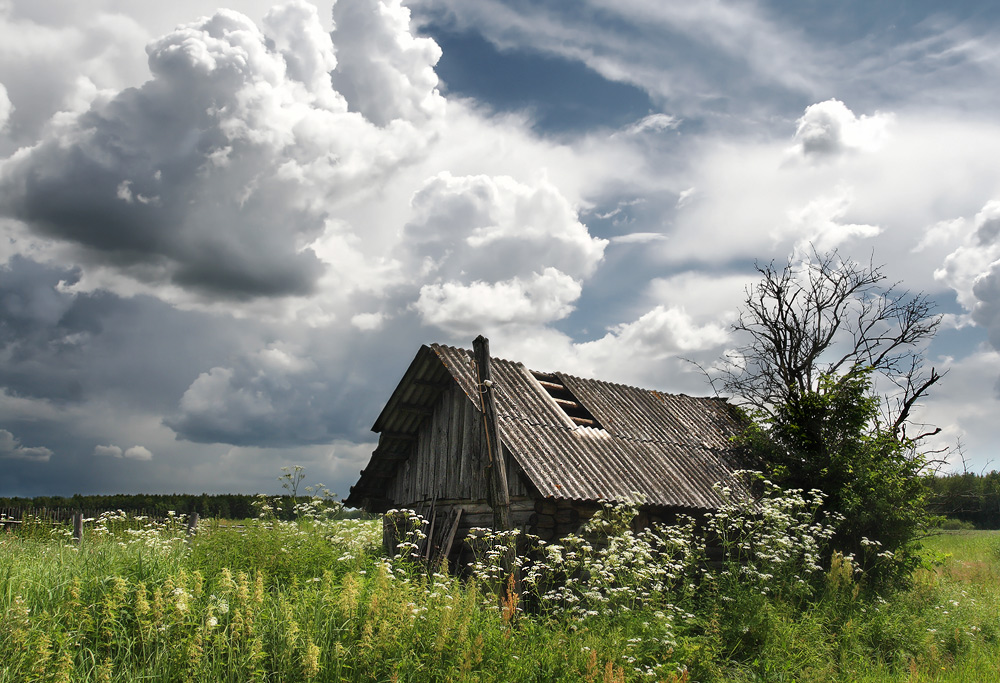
[401, 436]
[450, 538]
[414, 409]
[429, 541]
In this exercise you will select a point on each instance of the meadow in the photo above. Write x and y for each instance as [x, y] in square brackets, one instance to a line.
[317, 600]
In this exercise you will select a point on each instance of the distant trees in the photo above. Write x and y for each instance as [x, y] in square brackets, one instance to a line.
[225, 505]
[829, 373]
[966, 496]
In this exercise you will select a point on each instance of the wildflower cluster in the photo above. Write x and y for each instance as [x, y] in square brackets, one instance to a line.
[771, 544]
[775, 542]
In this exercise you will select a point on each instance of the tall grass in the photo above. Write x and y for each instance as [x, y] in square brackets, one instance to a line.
[315, 600]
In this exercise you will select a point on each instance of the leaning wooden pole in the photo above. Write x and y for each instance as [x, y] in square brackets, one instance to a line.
[495, 469]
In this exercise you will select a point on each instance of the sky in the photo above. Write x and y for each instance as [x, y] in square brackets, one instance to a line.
[225, 233]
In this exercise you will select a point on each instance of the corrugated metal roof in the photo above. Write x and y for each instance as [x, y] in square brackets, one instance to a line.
[669, 449]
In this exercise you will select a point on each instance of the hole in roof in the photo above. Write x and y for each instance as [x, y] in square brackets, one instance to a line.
[566, 401]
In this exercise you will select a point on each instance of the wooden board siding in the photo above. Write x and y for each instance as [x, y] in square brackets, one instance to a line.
[444, 461]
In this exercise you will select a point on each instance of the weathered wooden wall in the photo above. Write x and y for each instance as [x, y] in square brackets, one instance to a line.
[445, 463]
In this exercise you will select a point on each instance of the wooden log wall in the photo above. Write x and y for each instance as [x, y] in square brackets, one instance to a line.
[553, 519]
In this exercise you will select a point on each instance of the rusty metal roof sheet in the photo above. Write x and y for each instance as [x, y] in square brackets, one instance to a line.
[666, 449]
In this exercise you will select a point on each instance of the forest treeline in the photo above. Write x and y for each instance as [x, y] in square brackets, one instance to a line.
[219, 505]
[967, 497]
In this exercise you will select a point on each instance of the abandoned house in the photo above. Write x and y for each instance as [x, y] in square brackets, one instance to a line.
[567, 444]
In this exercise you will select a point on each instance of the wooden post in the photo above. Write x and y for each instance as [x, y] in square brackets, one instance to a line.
[495, 467]
[192, 525]
[78, 527]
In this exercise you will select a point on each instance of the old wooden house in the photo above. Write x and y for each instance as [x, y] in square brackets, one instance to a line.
[568, 444]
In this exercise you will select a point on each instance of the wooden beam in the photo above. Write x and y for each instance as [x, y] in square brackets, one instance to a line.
[450, 538]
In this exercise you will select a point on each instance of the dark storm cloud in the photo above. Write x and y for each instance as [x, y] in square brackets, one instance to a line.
[285, 395]
[66, 347]
[171, 182]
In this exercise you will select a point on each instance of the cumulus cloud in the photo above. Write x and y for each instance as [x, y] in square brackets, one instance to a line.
[368, 321]
[494, 227]
[496, 251]
[134, 453]
[829, 129]
[542, 298]
[971, 268]
[58, 59]
[11, 448]
[109, 451]
[138, 453]
[663, 331]
[272, 397]
[217, 174]
[385, 72]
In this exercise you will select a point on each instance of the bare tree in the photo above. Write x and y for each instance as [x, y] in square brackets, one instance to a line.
[830, 317]
[832, 368]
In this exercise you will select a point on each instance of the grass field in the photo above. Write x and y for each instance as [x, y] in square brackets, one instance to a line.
[316, 601]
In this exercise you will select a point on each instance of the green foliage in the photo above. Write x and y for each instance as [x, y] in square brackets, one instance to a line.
[831, 439]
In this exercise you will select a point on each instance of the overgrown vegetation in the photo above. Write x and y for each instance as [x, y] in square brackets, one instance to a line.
[315, 600]
[829, 373]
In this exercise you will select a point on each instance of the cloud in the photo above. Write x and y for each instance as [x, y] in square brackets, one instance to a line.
[497, 252]
[134, 453]
[273, 397]
[138, 453]
[59, 59]
[456, 307]
[829, 129]
[108, 451]
[723, 53]
[368, 321]
[385, 72]
[5, 107]
[654, 123]
[970, 269]
[638, 238]
[818, 225]
[11, 448]
[685, 197]
[217, 174]
[491, 228]
[663, 331]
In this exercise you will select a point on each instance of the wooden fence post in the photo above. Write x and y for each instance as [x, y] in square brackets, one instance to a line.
[78, 527]
[192, 525]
